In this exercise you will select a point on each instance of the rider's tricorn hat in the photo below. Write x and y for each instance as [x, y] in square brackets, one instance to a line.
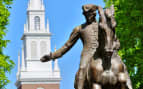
[89, 7]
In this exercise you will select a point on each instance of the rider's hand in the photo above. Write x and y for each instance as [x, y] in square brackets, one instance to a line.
[46, 58]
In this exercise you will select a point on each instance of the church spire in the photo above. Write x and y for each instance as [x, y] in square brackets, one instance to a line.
[48, 26]
[18, 61]
[56, 68]
[36, 5]
[23, 60]
[18, 73]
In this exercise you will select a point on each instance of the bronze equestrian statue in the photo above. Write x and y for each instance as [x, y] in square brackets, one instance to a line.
[100, 65]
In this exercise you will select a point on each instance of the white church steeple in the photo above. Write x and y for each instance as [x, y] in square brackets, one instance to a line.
[36, 43]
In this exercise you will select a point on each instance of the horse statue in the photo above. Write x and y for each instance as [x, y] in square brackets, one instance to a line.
[106, 69]
[100, 65]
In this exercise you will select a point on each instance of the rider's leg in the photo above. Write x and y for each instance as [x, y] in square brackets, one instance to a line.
[96, 86]
[85, 59]
[80, 79]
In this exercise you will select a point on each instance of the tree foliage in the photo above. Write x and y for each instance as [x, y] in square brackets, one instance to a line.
[129, 17]
[5, 63]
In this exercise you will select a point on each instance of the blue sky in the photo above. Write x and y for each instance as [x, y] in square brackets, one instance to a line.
[63, 16]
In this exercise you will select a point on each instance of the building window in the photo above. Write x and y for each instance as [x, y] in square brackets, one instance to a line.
[43, 48]
[33, 49]
[37, 23]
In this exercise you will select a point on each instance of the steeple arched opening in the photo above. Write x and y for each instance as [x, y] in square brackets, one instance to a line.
[37, 22]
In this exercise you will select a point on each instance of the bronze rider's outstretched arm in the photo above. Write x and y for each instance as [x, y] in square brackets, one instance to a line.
[68, 45]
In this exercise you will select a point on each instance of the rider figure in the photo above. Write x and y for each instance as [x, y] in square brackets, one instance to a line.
[88, 33]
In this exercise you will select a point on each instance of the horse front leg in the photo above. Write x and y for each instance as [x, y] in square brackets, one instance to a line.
[123, 80]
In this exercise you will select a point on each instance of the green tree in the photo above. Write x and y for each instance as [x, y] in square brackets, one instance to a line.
[5, 63]
[129, 17]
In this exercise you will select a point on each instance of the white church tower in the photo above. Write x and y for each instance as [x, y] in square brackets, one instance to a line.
[32, 73]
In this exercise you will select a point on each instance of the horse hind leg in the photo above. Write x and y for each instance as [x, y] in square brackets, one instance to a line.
[96, 86]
